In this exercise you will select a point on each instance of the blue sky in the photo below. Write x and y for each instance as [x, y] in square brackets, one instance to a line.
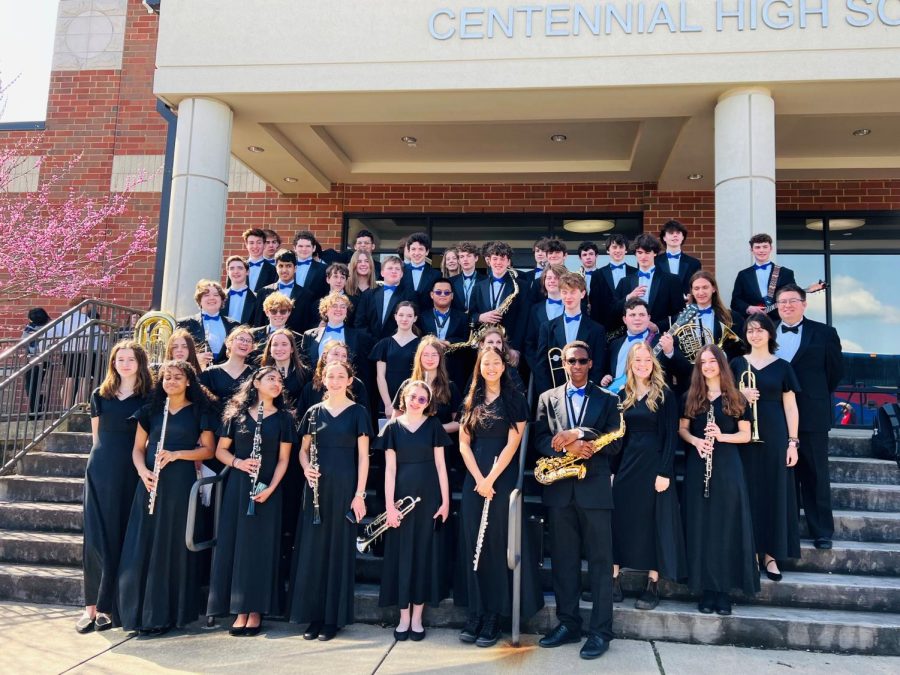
[27, 30]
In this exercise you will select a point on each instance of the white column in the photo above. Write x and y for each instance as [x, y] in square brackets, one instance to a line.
[745, 178]
[196, 236]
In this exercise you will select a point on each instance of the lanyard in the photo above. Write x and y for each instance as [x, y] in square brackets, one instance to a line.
[495, 298]
[571, 406]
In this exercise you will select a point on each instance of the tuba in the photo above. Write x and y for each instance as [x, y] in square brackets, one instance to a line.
[153, 331]
[551, 469]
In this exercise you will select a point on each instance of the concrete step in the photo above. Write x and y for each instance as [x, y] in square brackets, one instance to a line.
[41, 489]
[41, 583]
[850, 443]
[862, 526]
[69, 442]
[863, 470]
[78, 422]
[42, 548]
[53, 464]
[41, 516]
[865, 497]
[847, 557]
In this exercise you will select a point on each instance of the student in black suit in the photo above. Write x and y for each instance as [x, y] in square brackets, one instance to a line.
[754, 286]
[587, 253]
[549, 308]
[673, 260]
[240, 305]
[490, 293]
[209, 327]
[602, 296]
[273, 244]
[529, 280]
[446, 323]
[333, 310]
[570, 326]
[660, 289]
[310, 272]
[464, 282]
[418, 274]
[364, 242]
[259, 272]
[302, 315]
[375, 313]
[814, 351]
[569, 417]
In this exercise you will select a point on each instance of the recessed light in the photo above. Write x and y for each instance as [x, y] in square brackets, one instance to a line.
[289, 179]
[695, 176]
[255, 148]
[410, 140]
[559, 138]
[588, 226]
[835, 224]
[862, 132]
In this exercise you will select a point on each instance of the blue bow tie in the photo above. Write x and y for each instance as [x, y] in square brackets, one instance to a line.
[589, 272]
[617, 267]
[232, 292]
[570, 319]
[389, 287]
[538, 269]
[441, 315]
[282, 287]
[704, 312]
[645, 275]
[338, 329]
[498, 280]
[207, 317]
[308, 261]
[673, 256]
[554, 302]
[762, 267]
[416, 268]
[639, 336]
[255, 264]
[271, 261]
[572, 391]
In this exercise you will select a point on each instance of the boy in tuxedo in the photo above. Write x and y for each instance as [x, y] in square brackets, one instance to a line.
[587, 253]
[240, 304]
[310, 273]
[208, 327]
[602, 296]
[301, 317]
[491, 293]
[757, 285]
[465, 281]
[673, 260]
[273, 244]
[375, 313]
[660, 289]
[259, 273]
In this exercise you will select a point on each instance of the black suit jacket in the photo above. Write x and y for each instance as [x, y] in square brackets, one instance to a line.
[601, 416]
[315, 283]
[530, 287]
[457, 327]
[819, 367]
[194, 325]
[267, 275]
[553, 334]
[687, 266]
[514, 319]
[746, 291]
[603, 300]
[358, 342]
[248, 313]
[368, 312]
[304, 315]
[422, 294]
[459, 291]
[665, 301]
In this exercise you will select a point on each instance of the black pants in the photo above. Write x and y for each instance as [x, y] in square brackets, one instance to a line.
[814, 483]
[572, 527]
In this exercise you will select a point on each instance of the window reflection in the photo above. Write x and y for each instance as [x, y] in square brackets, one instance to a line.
[808, 269]
[864, 304]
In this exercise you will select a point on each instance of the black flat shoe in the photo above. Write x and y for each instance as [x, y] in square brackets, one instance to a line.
[650, 598]
[102, 622]
[561, 635]
[85, 625]
[328, 633]
[490, 631]
[594, 648]
[822, 543]
[469, 633]
[707, 604]
[417, 636]
[723, 604]
[617, 594]
[312, 630]
[250, 631]
[774, 576]
[401, 635]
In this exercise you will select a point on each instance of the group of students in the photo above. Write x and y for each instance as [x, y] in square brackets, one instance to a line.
[292, 405]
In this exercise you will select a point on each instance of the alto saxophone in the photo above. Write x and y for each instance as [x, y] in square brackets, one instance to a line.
[551, 469]
[256, 453]
[707, 469]
[504, 306]
[475, 335]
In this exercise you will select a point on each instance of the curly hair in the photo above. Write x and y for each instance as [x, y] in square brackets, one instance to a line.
[246, 398]
[196, 393]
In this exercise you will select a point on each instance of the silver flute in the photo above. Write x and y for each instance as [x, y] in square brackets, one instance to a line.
[156, 465]
[256, 453]
[482, 528]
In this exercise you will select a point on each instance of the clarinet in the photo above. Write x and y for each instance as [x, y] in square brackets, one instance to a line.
[707, 470]
[482, 528]
[255, 453]
[314, 463]
[156, 466]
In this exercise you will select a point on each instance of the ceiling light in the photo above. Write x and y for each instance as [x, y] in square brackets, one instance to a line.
[588, 226]
[862, 132]
[835, 224]
[410, 140]
[695, 176]
[559, 138]
[255, 148]
[289, 179]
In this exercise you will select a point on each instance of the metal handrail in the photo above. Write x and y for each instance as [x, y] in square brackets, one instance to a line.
[514, 530]
[190, 526]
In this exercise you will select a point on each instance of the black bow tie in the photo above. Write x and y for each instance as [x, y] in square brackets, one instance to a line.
[791, 329]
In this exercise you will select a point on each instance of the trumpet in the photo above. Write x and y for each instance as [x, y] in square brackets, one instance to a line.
[748, 381]
[379, 526]
[707, 469]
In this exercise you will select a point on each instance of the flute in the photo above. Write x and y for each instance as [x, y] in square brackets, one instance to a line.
[707, 469]
[156, 466]
[482, 528]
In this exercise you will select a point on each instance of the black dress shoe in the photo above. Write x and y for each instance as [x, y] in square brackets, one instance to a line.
[416, 636]
[490, 631]
[401, 635]
[237, 630]
[469, 633]
[561, 635]
[822, 543]
[618, 595]
[328, 632]
[102, 622]
[650, 598]
[312, 630]
[707, 604]
[774, 576]
[85, 625]
[250, 631]
[723, 604]
[594, 648]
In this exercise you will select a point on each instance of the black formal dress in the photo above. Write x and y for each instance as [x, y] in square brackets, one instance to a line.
[746, 289]
[721, 554]
[398, 361]
[247, 554]
[223, 385]
[109, 486]
[687, 267]
[415, 569]
[294, 381]
[158, 576]
[489, 589]
[646, 524]
[325, 556]
[770, 482]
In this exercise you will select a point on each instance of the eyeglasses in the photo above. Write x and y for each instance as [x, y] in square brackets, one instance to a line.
[279, 311]
[442, 293]
[421, 400]
[580, 361]
[788, 302]
[243, 341]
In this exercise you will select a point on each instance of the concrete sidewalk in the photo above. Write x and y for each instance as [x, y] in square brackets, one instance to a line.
[42, 639]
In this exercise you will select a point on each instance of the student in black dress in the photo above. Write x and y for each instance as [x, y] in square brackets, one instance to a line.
[495, 338]
[314, 390]
[660, 289]
[109, 480]
[180, 347]
[282, 353]
[494, 417]
[719, 540]
[158, 576]
[646, 523]
[414, 571]
[393, 356]
[209, 327]
[333, 309]
[240, 303]
[224, 379]
[325, 556]
[673, 235]
[244, 577]
[755, 286]
[768, 465]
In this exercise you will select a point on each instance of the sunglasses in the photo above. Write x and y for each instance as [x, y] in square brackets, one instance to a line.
[421, 400]
[442, 293]
[279, 311]
[580, 361]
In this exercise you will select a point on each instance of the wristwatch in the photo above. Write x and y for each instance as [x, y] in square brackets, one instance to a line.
[795, 441]
[361, 495]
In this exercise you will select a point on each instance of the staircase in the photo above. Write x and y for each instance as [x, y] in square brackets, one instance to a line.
[845, 599]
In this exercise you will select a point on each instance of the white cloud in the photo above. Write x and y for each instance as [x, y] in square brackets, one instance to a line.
[851, 347]
[851, 299]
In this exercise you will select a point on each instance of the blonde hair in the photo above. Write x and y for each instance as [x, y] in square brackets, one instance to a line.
[657, 380]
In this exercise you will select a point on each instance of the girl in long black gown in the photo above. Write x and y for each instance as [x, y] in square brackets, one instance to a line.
[720, 550]
[394, 355]
[245, 566]
[314, 390]
[768, 465]
[646, 523]
[225, 379]
[323, 584]
[110, 481]
[494, 417]
[158, 575]
[414, 566]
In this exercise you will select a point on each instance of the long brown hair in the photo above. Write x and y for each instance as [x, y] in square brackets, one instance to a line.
[475, 411]
[318, 380]
[657, 389]
[268, 360]
[111, 383]
[352, 287]
[191, 347]
[440, 385]
[721, 312]
[348, 369]
[697, 401]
